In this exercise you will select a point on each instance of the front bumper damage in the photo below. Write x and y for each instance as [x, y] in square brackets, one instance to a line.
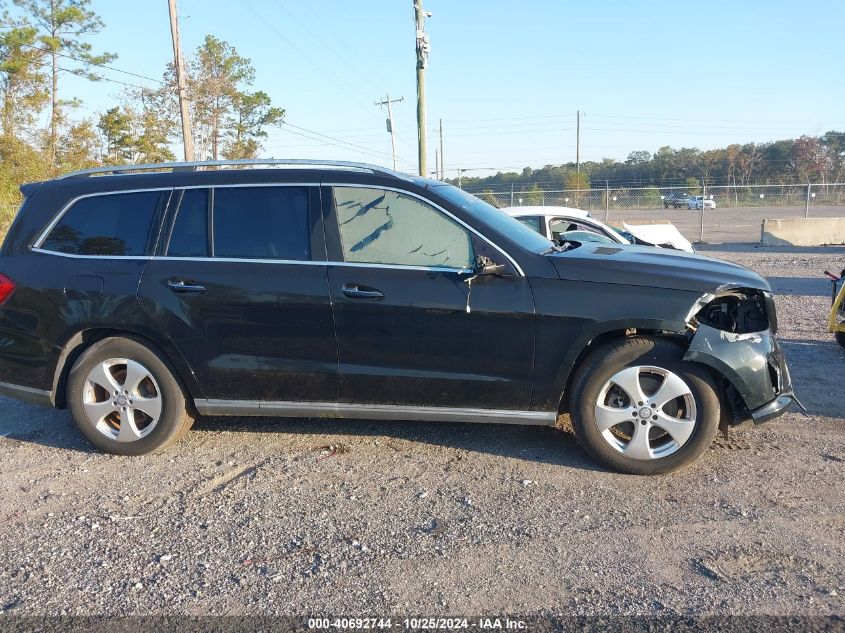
[754, 365]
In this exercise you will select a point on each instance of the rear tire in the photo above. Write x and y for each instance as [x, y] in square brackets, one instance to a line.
[840, 338]
[125, 398]
[666, 424]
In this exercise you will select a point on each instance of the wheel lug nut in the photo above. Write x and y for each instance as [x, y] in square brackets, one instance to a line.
[640, 403]
[642, 422]
[653, 406]
[654, 418]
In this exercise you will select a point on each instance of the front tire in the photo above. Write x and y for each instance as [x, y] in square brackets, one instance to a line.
[125, 398]
[637, 407]
[840, 338]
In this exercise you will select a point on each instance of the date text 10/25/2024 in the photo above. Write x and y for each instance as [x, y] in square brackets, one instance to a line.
[418, 624]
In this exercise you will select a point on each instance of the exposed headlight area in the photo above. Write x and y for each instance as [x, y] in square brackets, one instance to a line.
[738, 311]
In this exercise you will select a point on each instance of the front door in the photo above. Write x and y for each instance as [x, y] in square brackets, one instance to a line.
[240, 288]
[413, 325]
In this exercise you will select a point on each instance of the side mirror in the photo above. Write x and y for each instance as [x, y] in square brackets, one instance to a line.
[486, 266]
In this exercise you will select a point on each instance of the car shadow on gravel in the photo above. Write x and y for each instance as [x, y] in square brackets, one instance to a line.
[51, 428]
[539, 444]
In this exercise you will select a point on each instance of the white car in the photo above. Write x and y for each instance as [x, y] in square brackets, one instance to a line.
[568, 224]
[696, 202]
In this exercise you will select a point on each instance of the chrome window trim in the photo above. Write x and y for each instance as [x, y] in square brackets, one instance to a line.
[45, 251]
[36, 246]
[304, 262]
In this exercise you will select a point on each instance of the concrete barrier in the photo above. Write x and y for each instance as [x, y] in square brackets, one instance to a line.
[803, 231]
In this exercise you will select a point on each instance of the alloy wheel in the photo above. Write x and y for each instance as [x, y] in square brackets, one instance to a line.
[645, 412]
[122, 399]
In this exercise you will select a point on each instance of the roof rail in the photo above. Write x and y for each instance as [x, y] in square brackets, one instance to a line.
[198, 165]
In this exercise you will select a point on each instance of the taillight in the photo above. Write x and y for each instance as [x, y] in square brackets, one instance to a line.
[7, 287]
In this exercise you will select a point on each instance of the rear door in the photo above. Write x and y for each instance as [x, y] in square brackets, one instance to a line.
[413, 326]
[239, 285]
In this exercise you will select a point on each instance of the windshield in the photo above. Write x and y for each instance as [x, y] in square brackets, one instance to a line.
[490, 215]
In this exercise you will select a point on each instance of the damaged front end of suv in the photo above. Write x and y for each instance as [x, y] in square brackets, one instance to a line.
[733, 332]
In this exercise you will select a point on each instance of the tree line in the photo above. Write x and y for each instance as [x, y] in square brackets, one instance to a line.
[807, 159]
[42, 133]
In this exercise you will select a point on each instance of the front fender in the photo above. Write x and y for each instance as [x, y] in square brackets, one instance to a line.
[753, 363]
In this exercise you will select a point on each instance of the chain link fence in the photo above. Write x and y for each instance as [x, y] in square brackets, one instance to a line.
[624, 198]
[737, 217]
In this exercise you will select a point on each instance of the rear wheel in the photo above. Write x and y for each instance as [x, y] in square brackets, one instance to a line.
[639, 408]
[126, 399]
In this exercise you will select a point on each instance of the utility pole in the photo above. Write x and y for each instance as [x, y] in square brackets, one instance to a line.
[422, 62]
[578, 142]
[179, 64]
[437, 164]
[442, 162]
[390, 128]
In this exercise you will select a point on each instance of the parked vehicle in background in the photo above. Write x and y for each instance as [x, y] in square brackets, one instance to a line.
[567, 224]
[700, 202]
[560, 224]
[140, 300]
[676, 200]
[661, 234]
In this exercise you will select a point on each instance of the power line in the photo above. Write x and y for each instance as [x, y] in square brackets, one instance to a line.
[308, 4]
[73, 71]
[330, 140]
[287, 41]
[84, 61]
[343, 58]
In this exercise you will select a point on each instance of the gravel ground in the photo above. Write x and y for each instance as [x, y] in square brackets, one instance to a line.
[253, 516]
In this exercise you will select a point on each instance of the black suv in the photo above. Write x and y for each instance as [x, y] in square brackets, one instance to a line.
[142, 298]
[676, 200]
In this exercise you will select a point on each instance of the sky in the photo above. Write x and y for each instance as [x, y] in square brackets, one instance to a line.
[506, 78]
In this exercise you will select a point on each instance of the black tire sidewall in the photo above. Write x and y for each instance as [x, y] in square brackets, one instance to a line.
[172, 420]
[614, 357]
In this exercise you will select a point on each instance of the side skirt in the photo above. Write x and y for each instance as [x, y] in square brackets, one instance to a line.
[29, 395]
[372, 412]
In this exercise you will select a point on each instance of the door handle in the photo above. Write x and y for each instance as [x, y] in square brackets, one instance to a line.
[357, 291]
[180, 287]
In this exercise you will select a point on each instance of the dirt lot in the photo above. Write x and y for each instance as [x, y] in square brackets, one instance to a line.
[251, 516]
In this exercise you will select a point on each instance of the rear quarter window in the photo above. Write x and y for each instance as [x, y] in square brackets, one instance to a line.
[111, 225]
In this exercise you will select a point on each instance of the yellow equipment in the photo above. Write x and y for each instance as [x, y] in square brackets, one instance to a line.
[836, 320]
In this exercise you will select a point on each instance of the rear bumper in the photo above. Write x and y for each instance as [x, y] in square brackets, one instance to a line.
[26, 394]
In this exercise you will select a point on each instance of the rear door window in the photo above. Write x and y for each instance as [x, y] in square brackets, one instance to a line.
[189, 237]
[262, 223]
[112, 225]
